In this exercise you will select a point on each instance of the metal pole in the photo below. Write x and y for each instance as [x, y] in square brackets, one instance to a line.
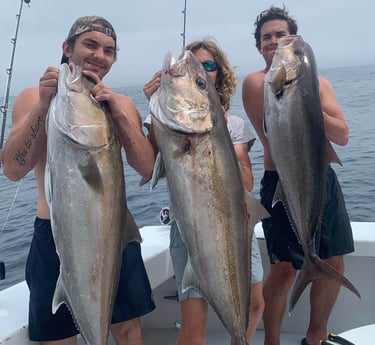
[4, 108]
[183, 33]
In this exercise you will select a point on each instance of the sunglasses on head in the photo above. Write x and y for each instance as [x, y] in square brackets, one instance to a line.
[210, 66]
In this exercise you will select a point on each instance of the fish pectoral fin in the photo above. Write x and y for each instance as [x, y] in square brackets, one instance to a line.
[331, 154]
[59, 297]
[318, 270]
[90, 172]
[157, 173]
[255, 210]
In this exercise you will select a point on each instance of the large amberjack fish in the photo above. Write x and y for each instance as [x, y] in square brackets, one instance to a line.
[215, 214]
[85, 189]
[300, 151]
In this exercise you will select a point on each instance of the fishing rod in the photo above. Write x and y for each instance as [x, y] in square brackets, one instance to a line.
[183, 34]
[4, 107]
[164, 212]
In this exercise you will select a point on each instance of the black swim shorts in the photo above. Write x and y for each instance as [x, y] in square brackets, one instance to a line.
[332, 239]
[134, 296]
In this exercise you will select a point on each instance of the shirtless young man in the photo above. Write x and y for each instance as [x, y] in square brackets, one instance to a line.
[91, 44]
[282, 245]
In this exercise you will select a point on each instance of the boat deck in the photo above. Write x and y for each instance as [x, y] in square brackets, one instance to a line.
[168, 336]
[159, 326]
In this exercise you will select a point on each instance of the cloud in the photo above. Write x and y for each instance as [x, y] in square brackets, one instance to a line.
[147, 30]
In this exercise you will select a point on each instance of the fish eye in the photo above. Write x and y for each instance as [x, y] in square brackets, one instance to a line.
[298, 52]
[201, 83]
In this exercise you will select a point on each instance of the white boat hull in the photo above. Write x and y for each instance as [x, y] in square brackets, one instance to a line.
[159, 326]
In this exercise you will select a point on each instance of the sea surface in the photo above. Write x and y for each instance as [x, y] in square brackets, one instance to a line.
[355, 91]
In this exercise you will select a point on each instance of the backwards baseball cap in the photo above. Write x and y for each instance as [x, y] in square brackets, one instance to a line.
[90, 23]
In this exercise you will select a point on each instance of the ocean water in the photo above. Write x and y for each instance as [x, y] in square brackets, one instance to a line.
[355, 91]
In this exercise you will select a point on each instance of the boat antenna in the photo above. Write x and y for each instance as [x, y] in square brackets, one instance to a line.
[4, 107]
[183, 34]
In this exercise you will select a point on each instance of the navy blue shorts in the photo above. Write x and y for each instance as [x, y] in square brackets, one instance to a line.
[332, 239]
[134, 295]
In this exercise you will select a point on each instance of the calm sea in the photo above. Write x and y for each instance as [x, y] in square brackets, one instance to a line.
[355, 90]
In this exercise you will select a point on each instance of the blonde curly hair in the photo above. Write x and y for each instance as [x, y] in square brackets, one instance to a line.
[226, 81]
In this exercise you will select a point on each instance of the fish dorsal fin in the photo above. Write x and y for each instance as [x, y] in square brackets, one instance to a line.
[332, 156]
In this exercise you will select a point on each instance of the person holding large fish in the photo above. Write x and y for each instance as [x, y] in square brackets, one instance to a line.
[91, 45]
[193, 305]
[312, 214]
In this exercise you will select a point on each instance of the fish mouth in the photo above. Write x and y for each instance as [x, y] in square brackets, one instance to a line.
[182, 101]
[284, 70]
[286, 41]
[169, 62]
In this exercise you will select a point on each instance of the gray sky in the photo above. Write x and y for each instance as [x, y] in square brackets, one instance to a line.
[340, 33]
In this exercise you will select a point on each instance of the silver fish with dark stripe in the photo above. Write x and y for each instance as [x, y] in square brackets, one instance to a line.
[300, 151]
[215, 214]
[86, 192]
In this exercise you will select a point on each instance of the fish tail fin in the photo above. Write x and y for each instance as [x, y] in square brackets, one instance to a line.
[303, 279]
[319, 270]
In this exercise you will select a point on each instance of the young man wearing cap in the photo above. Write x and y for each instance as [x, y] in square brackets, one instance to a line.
[91, 43]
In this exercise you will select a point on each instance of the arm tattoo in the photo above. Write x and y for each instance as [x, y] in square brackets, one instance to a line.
[22, 153]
